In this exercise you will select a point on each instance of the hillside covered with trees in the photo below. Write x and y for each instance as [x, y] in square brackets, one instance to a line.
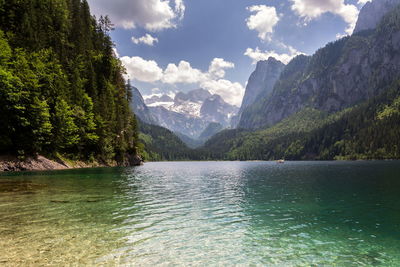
[62, 87]
[370, 130]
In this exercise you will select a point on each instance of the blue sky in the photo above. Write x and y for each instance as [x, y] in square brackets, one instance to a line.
[178, 45]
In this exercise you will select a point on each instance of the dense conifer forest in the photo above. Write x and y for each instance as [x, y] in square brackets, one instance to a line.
[62, 86]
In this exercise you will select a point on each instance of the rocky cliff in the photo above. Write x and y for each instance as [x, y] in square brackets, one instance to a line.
[372, 13]
[140, 108]
[215, 109]
[259, 85]
[337, 76]
[262, 80]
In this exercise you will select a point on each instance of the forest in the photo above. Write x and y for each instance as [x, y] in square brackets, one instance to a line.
[62, 88]
[63, 95]
[369, 130]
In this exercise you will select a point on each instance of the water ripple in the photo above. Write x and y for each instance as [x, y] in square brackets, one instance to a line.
[204, 214]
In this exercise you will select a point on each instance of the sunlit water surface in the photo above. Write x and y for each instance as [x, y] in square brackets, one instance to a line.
[207, 214]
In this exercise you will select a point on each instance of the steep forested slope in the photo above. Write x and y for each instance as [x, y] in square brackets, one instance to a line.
[62, 89]
[370, 130]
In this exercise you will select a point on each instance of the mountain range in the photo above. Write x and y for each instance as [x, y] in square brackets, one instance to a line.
[343, 102]
[194, 116]
[340, 103]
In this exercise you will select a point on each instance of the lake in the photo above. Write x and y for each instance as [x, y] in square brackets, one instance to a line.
[204, 214]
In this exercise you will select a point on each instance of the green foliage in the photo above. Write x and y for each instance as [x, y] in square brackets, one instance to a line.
[368, 131]
[62, 89]
[391, 110]
[65, 130]
[161, 144]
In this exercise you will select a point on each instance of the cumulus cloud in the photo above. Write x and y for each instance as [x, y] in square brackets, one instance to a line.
[142, 70]
[180, 8]
[312, 9]
[146, 39]
[153, 15]
[218, 66]
[183, 73]
[257, 55]
[231, 92]
[158, 93]
[363, 2]
[263, 20]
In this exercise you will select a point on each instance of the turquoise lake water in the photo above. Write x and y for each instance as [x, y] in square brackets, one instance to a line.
[204, 214]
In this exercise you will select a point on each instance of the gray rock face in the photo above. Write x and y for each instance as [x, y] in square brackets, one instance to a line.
[372, 13]
[215, 109]
[259, 85]
[198, 95]
[140, 108]
[178, 122]
[212, 129]
[262, 80]
[337, 76]
[155, 99]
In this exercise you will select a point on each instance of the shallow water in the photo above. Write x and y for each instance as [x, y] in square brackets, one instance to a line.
[204, 214]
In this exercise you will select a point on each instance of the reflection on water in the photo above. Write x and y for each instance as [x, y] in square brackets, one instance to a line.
[209, 213]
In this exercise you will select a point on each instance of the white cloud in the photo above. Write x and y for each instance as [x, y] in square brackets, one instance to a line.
[183, 73]
[363, 2]
[263, 21]
[312, 9]
[218, 66]
[257, 55]
[146, 39]
[231, 92]
[153, 15]
[156, 90]
[115, 52]
[145, 97]
[142, 70]
[158, 93]
[180, 8]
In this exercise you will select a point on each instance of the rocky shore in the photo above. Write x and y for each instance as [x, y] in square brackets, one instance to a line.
[41, 163]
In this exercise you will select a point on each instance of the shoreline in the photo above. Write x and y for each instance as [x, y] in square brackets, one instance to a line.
[40, 163]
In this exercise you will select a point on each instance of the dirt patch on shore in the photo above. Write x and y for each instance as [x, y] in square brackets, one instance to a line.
[13, 164]
[40, 163]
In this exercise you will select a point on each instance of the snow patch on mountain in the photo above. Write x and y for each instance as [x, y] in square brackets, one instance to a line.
[187, 107]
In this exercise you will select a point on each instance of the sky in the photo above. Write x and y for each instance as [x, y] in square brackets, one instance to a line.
[169, 46]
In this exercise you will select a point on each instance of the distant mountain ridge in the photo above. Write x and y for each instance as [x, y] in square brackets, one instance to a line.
[188, 114]
[158, 99]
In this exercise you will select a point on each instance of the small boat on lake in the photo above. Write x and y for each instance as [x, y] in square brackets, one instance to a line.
[280, 161]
